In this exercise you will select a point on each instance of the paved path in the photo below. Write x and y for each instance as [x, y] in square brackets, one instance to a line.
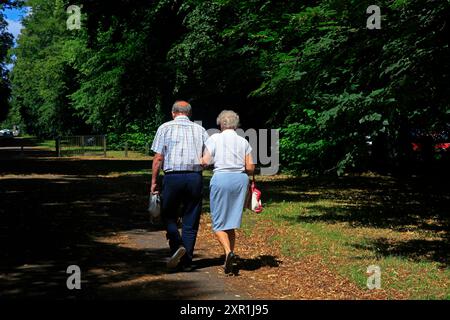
[91, 213]
[206, 281]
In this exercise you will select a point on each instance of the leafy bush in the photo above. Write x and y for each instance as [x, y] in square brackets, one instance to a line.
[138, 136]
[301, 151]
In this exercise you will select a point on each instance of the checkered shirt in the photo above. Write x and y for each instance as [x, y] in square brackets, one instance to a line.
[181, 142]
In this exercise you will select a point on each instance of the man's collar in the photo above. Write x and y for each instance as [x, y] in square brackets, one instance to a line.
[181, 118]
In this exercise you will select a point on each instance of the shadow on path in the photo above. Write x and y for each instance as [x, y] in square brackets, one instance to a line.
[59, 212]
[418, 204]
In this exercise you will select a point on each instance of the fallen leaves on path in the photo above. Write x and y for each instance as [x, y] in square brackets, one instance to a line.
[264, 273]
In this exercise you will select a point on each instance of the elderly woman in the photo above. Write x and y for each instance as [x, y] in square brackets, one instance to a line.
[231, 156]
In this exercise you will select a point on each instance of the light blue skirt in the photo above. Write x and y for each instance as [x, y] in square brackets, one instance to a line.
[227, 197]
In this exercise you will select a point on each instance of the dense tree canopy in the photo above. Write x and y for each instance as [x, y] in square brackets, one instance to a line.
[311, 68]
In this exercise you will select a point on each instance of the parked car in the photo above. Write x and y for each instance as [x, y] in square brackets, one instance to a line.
[6, 133]
[439, 140]
[430, 145]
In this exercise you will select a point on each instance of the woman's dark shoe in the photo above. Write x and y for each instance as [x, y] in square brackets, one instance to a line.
[229, 260]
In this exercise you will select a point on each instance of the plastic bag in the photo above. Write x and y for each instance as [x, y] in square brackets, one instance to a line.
[253, 199]
[256, 204]
[154, 208]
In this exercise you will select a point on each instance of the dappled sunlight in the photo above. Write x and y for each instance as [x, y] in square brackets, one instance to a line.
[354, 221]
[334, 225]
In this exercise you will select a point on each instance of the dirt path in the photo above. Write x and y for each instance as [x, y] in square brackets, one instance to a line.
[119, 262]
[91, 213]
[206, 281]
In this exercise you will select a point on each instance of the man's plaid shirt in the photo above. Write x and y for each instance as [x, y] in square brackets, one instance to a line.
[181, 142]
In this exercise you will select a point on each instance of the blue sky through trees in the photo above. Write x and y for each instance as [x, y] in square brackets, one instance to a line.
[14, 20]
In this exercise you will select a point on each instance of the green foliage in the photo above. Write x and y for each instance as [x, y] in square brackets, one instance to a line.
[43, 75]
[312, 69]
[137, 135]
[300, 151]
[358, 82]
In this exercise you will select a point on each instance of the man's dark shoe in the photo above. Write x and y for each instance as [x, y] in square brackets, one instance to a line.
[229, 260]
[181, 267]
[175, 259]
[188, 268]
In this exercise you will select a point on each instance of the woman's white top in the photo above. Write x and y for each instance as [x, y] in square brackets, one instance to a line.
[228, 151]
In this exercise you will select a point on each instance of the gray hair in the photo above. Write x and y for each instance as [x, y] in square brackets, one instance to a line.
[182, 107]
[228, 119]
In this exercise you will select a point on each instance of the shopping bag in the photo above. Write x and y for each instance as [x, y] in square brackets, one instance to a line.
[253, 198]
[154, 208]
[256, 204]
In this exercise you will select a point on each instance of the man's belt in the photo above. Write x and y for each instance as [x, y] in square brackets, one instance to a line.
[180, 172]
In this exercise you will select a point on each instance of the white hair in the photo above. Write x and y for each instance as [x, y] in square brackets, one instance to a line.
[228, 119]
[182, 107]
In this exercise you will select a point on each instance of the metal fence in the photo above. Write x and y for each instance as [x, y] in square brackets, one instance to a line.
[94, 145]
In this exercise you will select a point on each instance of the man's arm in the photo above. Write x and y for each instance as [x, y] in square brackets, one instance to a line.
[157, 161]
[158, 148]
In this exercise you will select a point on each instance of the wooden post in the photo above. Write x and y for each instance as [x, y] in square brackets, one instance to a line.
[58, 147]
[104, 146]
[82, 145]
[126, 149]
[147, 149]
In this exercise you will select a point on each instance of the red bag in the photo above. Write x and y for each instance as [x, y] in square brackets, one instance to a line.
[253, 201]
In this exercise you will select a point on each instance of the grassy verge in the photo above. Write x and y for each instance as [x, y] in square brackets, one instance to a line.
[50, 145]
[356, 223]
[46, 144]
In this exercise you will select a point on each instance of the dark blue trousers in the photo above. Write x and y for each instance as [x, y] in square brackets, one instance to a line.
[183, 189]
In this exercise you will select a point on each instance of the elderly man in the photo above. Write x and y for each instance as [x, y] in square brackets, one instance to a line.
[178, 145]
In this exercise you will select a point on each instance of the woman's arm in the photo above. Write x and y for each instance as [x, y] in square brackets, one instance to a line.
[206, 159]
[249, 165]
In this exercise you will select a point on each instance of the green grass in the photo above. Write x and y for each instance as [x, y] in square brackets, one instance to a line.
[47, 144]
[351, 233]
[97, 151]
[131, 155]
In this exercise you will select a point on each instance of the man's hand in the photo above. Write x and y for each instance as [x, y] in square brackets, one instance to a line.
[154, 188]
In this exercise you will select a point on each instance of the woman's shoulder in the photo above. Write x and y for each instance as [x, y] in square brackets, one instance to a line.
[242, 139]
[213, 138]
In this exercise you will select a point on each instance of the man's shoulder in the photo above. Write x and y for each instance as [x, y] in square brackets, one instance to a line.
[199, 127]
[166, 125]
[171, 124]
